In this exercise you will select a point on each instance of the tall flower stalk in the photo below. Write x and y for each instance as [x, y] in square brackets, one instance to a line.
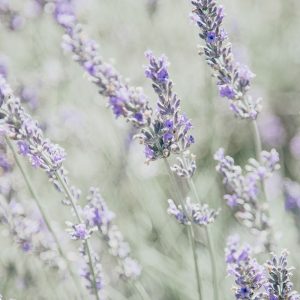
[42, 153]
[170, 134]
[181, 215]
[41, 210]
[233, 78]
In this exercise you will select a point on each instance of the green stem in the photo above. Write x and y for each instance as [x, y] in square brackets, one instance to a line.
[257, 140]
[209, 245]
[42, 212]
[258, 150]
[190, 231]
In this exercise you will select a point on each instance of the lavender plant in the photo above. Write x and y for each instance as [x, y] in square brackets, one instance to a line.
[279, 284]
[233, 79]
[42, 153]
[125, 101]
[255, 282]
[169, 130]
[19, 126]
[163, 133]
[248, 274]
[244, 191]
[171, 134]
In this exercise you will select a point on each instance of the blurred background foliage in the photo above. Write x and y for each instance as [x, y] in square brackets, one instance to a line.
[265, 36]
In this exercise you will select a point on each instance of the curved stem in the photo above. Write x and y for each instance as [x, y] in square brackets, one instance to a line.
[42, 212]
[190, 231]
[209, 245]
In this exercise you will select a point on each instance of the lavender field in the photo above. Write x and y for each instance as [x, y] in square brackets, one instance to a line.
[149, 149]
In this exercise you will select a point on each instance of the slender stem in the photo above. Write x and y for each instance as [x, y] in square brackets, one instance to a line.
[42, 212]
[195, 257]
[257, 140]
[71, 198]
[209, 245]
[190, 231]
[258, 149]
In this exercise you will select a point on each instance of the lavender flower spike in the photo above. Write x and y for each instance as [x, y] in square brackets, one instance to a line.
[169, 130]
[125, 101]
[248, 274]
[233, 79]
[279, 284]
[244, 190]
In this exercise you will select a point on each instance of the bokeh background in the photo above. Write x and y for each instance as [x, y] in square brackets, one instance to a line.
[100, 152]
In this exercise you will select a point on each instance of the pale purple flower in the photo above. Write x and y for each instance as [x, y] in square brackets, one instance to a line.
[279, 284]
[168, 131]
[79, 232]
[41, 152]
[233, 79]
[99, 216]
[127, 102]
[194, 213]
[244, 189]
[248, 274]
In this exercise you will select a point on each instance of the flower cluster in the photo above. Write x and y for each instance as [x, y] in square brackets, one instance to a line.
[169, 131]
[19, 126]
[192, 213]
[244, 189]
[249, 275]
[94, 216]
[97, 215]
[94, 281]
[233, 79]
[253, 281]
[29, 231]
[279, 284]
[124, 101]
